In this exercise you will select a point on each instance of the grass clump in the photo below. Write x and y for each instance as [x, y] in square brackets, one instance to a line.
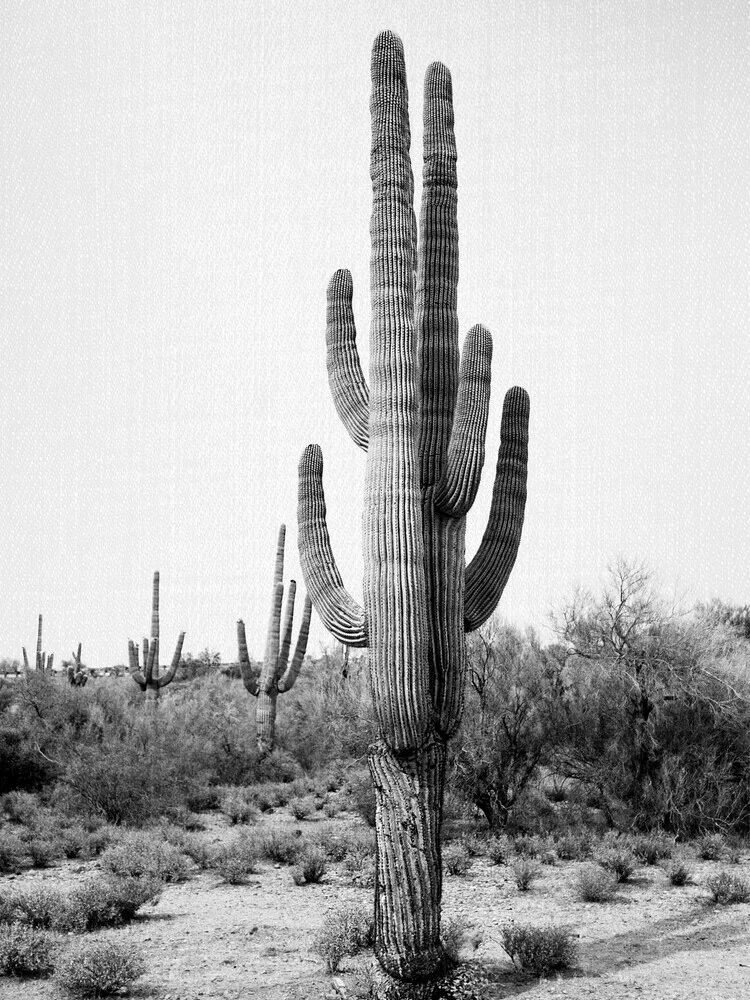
[99, 968]
[652, 848]
[620, 861]
[282, 847]
[343, 932]
[711, 847]
[538, 951]
[726, 889]
[26, 951]
[141, 854]
[234, 862]
[499, 850]
[678, 872]
[525, 872]
[456, 859]
[596, 885]
[236, 806]
[301, 808]
[574, 846]
[311, 866]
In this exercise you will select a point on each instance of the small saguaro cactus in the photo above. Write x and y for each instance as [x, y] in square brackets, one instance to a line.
[148, 678]
[76, 675]
[43, 661]
[422, 423]
[277, 674]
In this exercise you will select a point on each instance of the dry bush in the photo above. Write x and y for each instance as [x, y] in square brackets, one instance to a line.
[595, 884]
[27, 951]
[143, 853]
[456, 859]
[99, 968]
[344, 932]
[538, 950]
[726, 888]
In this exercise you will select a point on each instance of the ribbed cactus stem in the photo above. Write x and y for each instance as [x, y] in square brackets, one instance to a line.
[276, 674]
[422, 421]
[39, 655]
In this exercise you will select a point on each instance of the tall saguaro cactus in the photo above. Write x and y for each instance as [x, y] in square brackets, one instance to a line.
[277, 673]
[76, 675]
[43, 661]
[422, 422]
[148, 678]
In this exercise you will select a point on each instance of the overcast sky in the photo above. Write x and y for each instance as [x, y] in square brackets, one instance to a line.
[179, 180]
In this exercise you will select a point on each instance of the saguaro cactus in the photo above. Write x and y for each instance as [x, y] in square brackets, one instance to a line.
[148, 678]
[76, 675]
[277, 673]
[422, 422]
[43, 661]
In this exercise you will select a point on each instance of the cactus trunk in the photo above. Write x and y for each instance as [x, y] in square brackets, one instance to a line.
[422, 422]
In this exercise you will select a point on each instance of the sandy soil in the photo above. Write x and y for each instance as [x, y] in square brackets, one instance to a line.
[212, 941]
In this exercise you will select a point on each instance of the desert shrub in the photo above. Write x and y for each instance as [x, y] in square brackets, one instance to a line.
[142, 854]
[726, 888]
[202, 799]
[100, 839]
[620, 861]
[499, 850]
[282, 847]
[572, 846]
[525, 871]
[336, 845]
[74, 842]
[330, 809]
[456, 859]
[475, 844]
[343, 932]
[538, 951]
[236, 807]
[270, 795]
[38, 906]
[99, 968]
[311, 865]
[27, 951]
[234, 862]
[44, 851]
[362, 792]
[711, 846]
[22, 767]
[678, 872]
[595, 884]
[21, 807]
[105, 902]
[12, 851]
[197, 848]
[452, 936]
[530, 845]
[301, 808]
[278, 766]
[652, 848]
[186, 819]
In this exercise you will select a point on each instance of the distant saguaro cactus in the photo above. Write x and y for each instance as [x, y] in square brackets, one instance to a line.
[277, 673]
[148, 678]
[76, 675]
[422, 422]
[43, 662]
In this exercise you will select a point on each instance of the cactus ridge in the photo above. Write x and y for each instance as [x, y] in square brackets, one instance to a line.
[277, 673]
[147, 676]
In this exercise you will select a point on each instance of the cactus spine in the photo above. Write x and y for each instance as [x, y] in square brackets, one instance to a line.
[422, 422]
[277, 674]
[148, 678]
[43, 661]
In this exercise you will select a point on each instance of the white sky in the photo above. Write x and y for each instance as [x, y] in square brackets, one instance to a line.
[179, 180]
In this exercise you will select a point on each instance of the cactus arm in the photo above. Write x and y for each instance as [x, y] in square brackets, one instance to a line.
[271, 655]
[341, 614]
[249, 675]
[50, 660]
[488, 571]
[278, 569]
[25, 658]
[286, 630]
[135, 672]
[151, 659]
[286, 681]
[169, 676]
[39, 660]
[351, 397]
[460, 481]
[437, 280]
[395, 591]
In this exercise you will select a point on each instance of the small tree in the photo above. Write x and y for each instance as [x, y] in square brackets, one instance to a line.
[505, 735]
